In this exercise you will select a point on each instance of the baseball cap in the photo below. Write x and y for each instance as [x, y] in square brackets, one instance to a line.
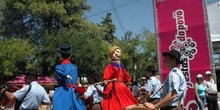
[208, 73]
[143, 78]
[199, 76]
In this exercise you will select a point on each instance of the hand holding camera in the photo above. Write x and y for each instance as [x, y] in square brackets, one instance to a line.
[4, 88]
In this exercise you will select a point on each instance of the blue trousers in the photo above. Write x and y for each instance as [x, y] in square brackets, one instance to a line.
[202, 102]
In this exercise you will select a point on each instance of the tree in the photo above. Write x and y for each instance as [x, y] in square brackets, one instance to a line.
[89, 48]
[109, 27]
[140, 50]
[48, 23]
[15, 55]
[31, 19]
[148, 49]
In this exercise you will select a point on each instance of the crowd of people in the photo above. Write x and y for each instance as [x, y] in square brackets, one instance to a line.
[111, 90]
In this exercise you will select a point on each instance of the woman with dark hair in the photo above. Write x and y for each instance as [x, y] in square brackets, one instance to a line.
[200, 92]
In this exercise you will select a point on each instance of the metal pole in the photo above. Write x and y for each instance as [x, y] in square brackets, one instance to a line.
[212, 66]
[157, 36]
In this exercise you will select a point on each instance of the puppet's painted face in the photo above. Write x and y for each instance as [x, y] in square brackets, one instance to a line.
[116, 56]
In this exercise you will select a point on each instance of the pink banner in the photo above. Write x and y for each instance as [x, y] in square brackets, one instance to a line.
[181, 25]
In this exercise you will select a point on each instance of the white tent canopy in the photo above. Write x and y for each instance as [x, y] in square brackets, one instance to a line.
[213, 10]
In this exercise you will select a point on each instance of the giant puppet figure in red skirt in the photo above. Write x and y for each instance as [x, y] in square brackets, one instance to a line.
[117, 96]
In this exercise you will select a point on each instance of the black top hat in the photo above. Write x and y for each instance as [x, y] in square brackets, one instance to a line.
[32, 71]
[151, 68]
[174, 54]
[96, 76]
[65, 49]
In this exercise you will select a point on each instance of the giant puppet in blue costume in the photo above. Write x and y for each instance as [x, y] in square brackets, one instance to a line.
[66, 75]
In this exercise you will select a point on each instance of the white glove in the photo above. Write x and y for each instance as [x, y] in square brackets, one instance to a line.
[68, 76]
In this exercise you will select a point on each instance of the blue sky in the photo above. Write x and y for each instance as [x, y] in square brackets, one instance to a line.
[133, 15]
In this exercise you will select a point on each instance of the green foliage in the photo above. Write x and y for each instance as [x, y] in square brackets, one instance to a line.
[89, 48]
[13, 53]
[139, 50]
[109, 28]
[32, 19]
[46, 9]
[149, 47]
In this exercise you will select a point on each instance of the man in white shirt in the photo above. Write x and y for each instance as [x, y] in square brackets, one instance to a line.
[211, 92]
[92, 93]
[31, 95]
